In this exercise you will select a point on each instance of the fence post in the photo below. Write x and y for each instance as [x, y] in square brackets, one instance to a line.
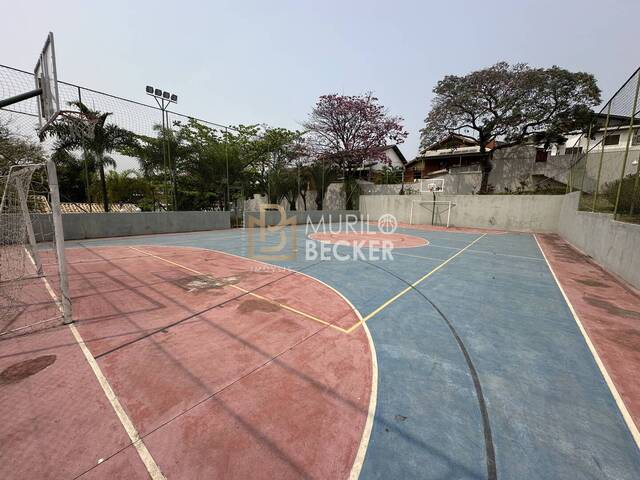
[586, 159]
[635, 187]
[626, 150]
[604, 136]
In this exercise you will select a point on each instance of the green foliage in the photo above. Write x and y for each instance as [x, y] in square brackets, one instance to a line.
[511, 103]
[629, 193]
[389, 175]
[16, 150]
[106, 138]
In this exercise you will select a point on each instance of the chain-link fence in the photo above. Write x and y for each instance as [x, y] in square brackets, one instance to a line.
[605, 160]
[21, 119]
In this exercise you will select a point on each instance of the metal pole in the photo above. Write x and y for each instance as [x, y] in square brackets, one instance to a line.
[86, 162]
[626, 150]
[636, 183]
[171, 168]
[226, 158]
[21, 97]
[58, 232]
[164, 159]
[30, 235]
[586, 159]
[604, 136]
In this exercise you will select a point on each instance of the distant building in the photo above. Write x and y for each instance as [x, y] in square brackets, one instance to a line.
[457, 159]
[394, 159]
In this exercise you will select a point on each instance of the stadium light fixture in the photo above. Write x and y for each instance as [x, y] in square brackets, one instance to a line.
[162, 97]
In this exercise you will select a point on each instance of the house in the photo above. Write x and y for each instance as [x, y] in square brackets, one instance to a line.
[394, 161]
[607, 144]
[457, 159]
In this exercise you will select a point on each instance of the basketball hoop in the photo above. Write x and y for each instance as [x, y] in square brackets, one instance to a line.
[433, 185]
[80, 125]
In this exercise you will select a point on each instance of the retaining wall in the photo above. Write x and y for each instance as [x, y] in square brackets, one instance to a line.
[614, 245]
[526, 213]
[80, 226]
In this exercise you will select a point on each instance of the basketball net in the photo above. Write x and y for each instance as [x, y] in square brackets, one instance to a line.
[80, 125]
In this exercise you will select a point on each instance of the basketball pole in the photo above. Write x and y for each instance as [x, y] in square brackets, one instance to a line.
[433, 208]
[20, 98]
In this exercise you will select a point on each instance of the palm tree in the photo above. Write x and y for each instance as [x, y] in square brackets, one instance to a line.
[105, 138]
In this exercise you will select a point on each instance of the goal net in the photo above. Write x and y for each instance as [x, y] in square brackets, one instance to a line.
[431, 212]
[33, 283]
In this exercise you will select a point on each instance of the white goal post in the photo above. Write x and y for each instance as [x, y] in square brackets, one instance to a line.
[25, 266]
[448, 204]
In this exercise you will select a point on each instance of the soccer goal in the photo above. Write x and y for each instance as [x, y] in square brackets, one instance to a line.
[431, 212]
[34, 290]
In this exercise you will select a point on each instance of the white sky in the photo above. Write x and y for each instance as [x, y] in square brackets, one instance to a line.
[268, 61]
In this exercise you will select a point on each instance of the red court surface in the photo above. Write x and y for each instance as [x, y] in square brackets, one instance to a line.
[608, 309]
[226, 368]
[371, 239]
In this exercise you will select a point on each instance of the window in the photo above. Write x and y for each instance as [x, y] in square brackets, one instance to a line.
[635, 140]
[572, 150]
[471, 168]
[612, 139]
[417, 173]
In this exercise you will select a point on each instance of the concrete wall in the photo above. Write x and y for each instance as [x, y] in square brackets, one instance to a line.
[301, 218]
[334, 199]
[614, 245]
[79, 226]
[527, 213]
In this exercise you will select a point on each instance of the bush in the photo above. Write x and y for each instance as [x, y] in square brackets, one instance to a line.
[627, 196]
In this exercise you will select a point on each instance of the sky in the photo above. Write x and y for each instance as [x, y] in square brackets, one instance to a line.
[248, 62]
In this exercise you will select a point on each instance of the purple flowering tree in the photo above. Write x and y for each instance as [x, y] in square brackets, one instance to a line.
[349, 131]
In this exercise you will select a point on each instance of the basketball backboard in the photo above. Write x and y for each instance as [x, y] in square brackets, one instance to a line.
[429, 185]
[46, 78]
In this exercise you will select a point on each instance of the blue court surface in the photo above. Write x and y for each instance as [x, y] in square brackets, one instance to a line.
[482, 371]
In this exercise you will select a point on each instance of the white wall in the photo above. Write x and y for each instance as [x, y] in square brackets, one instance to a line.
[525, 213]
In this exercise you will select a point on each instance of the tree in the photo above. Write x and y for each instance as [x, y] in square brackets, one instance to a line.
[321, 175]
[347, 131]
[511, 103]
[128, 186]
[106, 138]
[16, 150]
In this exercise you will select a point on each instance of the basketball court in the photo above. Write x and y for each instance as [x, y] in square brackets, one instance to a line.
[458, 358]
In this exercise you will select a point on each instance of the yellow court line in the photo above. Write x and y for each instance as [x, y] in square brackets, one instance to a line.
[412, 286]
[248, 292]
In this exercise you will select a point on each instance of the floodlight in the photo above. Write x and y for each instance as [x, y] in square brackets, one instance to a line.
[174, 97]
[149, 89]
[166, 95]
[157, 92]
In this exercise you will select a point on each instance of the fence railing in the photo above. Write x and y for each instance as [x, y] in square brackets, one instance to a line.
[605, 164]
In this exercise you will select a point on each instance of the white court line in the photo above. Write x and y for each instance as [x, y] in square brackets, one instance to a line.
[134, 436]
[487, 252]
[633, 429]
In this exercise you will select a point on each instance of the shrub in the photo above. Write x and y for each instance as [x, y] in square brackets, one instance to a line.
[627, 195]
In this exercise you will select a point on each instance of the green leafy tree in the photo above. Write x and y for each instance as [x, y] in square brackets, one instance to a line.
[16, 149]
[106, 139]
[511, 103]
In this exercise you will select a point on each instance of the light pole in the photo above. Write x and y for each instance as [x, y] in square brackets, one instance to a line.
[164, 99]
